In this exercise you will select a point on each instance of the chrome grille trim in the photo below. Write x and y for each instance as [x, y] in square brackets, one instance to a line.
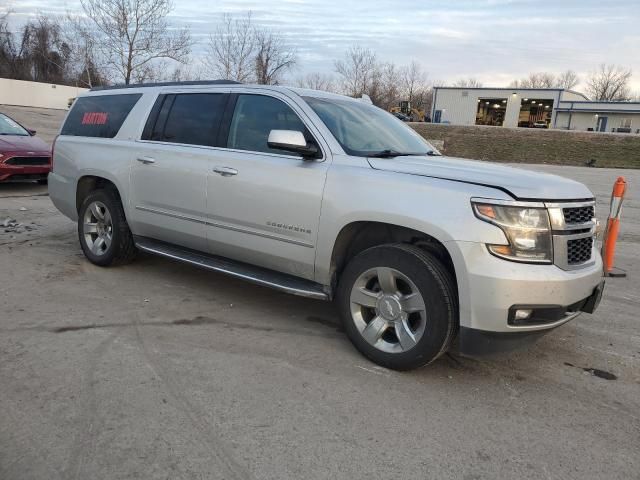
[562, 234]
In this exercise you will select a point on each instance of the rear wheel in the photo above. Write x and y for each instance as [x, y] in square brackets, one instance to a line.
[103, 231]
[398, 304]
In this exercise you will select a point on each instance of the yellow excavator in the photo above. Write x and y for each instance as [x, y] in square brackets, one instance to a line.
[404, 111]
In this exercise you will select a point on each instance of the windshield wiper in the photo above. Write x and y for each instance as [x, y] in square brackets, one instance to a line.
[392, 153]
[433, 153]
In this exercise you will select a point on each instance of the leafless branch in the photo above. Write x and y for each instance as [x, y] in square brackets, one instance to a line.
[470, 82]
[316, 81]
[135, 33]
[609, 83]
[273, 56]
[231, 49]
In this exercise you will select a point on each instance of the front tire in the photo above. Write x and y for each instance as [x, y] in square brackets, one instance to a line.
[399, 305]
[103, 231]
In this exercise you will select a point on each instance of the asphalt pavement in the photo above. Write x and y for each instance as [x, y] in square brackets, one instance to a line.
[161, 370]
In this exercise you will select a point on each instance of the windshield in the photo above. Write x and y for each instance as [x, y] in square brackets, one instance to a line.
[10, 127]
[364, 130]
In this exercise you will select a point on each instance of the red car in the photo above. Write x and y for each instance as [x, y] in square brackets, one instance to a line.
[22, 155]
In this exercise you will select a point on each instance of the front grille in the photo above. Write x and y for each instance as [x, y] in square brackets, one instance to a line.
[576, 215]
[579, 250]
[30, 176]
[28, 161]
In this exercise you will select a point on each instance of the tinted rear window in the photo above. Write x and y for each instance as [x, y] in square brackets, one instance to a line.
[190, 118]
[99, 116]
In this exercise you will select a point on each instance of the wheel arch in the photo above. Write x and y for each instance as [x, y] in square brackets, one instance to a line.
[88, 183]
[358, 236]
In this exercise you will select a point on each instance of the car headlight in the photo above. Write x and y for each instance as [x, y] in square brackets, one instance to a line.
[526, 228]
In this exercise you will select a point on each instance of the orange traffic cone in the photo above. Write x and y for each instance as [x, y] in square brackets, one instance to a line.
[612, 228]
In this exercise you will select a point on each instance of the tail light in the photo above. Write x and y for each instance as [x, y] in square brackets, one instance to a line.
[53, 147]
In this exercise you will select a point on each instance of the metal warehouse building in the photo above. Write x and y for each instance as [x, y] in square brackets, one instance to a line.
[537, 108]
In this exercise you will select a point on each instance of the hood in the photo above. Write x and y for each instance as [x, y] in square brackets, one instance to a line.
[519, 183]
[20, 143]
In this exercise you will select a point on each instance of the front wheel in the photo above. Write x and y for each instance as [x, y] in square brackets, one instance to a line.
[399, 305]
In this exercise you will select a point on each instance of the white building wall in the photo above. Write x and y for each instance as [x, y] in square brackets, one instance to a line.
[582, 121]
[35, 94]
[459, 105]
[456, 108]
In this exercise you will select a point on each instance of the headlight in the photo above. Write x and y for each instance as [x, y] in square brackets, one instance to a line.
[526, 228]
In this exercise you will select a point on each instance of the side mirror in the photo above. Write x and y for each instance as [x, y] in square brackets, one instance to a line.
[31, 132]
[291, 141]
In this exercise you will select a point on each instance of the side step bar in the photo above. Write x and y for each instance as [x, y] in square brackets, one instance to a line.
[261, 276]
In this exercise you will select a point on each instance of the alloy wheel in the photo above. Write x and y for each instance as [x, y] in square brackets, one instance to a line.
[97, 228]
[388, 310]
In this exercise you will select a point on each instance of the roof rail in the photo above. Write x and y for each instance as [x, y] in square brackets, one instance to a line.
[166, 84]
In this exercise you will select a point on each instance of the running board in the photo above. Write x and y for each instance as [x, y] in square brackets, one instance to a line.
[261, 276]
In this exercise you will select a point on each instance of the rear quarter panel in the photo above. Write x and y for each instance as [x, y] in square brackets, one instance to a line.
[110, 158]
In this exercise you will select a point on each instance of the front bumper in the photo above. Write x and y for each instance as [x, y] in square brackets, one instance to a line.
[472, 341]
[489, 287]
[23, 172]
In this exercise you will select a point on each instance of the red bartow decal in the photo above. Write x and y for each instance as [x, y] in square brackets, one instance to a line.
[94, 118]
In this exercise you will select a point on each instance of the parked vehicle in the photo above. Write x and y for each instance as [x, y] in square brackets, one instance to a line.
[401, 116]
[327, 197]
[23, 156]
[540, 124]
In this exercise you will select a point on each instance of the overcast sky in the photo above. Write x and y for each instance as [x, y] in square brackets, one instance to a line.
[492, 40]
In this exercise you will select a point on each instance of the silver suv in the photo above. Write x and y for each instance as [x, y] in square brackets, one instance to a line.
[329, 197]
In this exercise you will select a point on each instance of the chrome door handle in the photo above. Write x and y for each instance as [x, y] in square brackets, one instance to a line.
[225, 171]
[146, 160]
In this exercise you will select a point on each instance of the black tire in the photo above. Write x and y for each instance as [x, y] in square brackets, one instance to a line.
[122, 249]
[43, 181]
[433, 281]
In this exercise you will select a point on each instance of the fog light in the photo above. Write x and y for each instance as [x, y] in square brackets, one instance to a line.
[522, 314]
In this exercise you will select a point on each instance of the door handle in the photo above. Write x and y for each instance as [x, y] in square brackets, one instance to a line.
[225, 171]
[146, 160]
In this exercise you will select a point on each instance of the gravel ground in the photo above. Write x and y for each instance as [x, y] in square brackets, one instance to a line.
[161, 370]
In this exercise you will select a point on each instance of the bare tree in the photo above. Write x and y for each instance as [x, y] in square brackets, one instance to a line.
[185, 73]
[85, 61]
[134, 34]
[316, 81]
[357, 71]
[389, 85]
[413, 80]
[415, 86]
[231, 49]
[535, 80]
[273, 57]
[470, 82]
[37, 53]
[567, 79]
[10, 54]
[609, 83]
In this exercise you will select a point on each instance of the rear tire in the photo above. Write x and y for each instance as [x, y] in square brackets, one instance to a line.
[103, 231]
[399, 305]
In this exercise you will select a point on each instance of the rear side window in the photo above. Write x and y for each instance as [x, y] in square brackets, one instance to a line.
[99, 116]
[189, 118]
[254, 117]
